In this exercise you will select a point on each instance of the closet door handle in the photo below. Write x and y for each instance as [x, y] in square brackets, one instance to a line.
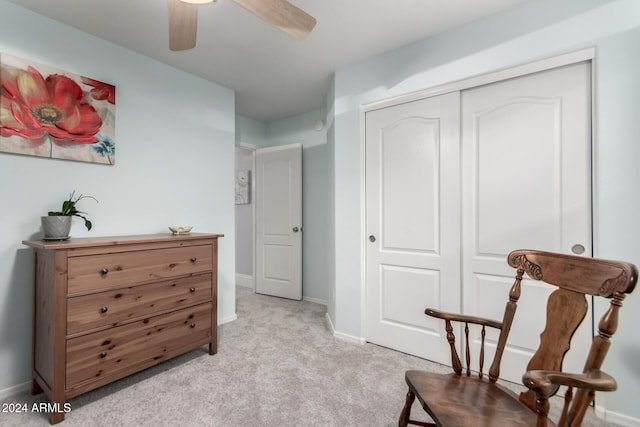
[372, 238]
[578, 249]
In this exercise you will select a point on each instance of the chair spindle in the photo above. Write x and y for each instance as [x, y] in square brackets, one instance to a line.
[568, 396]
[483, 333]
[455, 359]
[467, 350]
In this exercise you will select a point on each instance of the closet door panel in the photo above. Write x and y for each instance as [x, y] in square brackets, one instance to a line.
[412, 223]
[526, 184]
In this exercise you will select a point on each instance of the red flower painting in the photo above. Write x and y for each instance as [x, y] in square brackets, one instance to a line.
[101, 90]
[54, 116]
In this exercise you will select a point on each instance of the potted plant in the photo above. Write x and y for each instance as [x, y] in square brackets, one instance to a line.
[57, 224]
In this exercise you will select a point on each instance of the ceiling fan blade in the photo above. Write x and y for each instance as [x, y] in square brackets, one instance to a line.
[183, 25]
[289, 18]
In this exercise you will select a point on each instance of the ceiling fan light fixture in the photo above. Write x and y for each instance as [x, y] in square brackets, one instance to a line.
[197, 1]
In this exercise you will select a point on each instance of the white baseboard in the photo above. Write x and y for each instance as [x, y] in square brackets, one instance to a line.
[316, 300]
[343, 337]
[16, 389]
[245, 280]
[614, 417]
[227, 319]
[329, 323]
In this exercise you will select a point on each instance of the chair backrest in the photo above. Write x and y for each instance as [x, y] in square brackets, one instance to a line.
[576, 278]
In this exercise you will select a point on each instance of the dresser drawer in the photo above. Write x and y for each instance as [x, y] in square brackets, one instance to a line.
[109, 271]
[139, 344]
[112, 307]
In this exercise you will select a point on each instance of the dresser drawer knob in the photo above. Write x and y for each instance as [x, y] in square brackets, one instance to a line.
[193, 325]
[103, 355]
[192, 290]
[194, 259]
[104, 309]
[104, 271]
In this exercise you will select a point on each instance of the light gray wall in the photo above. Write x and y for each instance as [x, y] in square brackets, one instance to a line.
[250, 131]
[174, 166]
[617, 151]
[297, 129]
[315, 215]
[331, 204]
[535, 30]
[244, 218]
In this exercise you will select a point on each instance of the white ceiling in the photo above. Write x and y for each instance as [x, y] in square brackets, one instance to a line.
[273, 75]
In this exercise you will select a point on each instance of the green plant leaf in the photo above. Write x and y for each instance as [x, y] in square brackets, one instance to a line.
[69, 208]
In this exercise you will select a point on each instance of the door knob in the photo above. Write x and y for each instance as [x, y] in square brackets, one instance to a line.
[296, 229]
[372, 238]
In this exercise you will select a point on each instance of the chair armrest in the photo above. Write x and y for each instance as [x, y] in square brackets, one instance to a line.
[462, 318]
[455, 359]
[547, 382]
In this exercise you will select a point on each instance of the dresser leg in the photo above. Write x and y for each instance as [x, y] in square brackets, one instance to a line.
[35, 387]
[56, 417]
[213, 348]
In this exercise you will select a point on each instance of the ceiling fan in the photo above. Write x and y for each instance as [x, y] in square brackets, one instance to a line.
[183, 19]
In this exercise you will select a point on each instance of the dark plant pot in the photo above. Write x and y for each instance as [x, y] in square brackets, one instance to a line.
[56, 227]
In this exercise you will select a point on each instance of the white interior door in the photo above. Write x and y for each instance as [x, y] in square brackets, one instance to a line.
[526, 185]
[412, 223]
[279, 221]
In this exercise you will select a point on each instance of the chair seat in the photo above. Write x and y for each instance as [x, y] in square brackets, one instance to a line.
[453, 400]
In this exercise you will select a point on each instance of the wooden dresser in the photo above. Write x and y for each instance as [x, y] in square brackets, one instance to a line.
[107, 307]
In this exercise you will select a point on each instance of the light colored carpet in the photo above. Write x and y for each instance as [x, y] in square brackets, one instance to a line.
[277, 365]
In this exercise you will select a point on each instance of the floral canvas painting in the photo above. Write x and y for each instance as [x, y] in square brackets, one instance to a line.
[47, 112]
[242, 187]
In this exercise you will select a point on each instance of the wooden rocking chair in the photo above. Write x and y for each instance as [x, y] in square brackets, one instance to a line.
[459, 399]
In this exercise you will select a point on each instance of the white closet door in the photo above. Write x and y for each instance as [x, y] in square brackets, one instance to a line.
[412, 223]
[526, 184]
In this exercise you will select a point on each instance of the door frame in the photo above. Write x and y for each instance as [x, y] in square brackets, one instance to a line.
[588, 54]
